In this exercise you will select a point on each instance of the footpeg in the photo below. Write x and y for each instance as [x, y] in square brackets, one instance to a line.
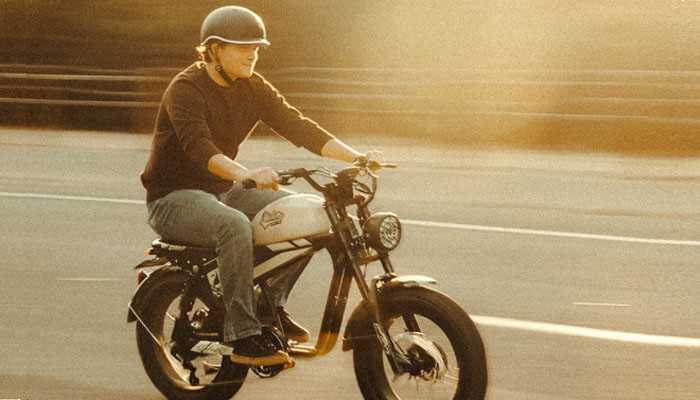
[208, 347]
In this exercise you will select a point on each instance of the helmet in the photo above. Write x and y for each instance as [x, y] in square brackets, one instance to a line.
[233, 24]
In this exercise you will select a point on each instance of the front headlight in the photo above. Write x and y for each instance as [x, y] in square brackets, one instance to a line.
[383, 231]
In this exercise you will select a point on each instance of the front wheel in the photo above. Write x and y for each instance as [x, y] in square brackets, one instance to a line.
[438, 336]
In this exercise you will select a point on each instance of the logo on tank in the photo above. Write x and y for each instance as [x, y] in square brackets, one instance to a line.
[271, 218]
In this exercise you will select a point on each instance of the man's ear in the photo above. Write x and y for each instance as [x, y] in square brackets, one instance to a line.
[214, 51]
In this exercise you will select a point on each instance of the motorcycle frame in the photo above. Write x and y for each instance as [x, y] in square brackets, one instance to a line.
[348, 254]
[349, 251]
[355, 252]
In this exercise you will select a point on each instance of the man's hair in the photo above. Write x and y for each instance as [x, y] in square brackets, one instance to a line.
[203, 51]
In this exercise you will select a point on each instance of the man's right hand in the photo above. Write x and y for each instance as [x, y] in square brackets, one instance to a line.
[224, 167]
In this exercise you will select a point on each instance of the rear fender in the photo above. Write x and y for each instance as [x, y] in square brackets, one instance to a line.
[359, 326]
[137, 303]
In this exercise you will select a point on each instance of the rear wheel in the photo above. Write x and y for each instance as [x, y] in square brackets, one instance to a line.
[215, 377]
[439, 338]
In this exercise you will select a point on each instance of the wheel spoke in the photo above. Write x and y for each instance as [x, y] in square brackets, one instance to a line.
[451, 378]
[170, 316]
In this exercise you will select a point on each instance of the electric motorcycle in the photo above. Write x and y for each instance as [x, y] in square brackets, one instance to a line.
[408, 339]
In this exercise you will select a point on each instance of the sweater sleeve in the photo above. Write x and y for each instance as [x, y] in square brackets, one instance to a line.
[286, 120]
[186, 109]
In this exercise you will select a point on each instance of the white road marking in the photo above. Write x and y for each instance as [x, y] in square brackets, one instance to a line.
[75, 198]
[536, 232]
[429, 224]
[583, 303]
[569, 330]
[541, 327]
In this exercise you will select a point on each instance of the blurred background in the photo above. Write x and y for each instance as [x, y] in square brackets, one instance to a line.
[611, 76]
[546, 247]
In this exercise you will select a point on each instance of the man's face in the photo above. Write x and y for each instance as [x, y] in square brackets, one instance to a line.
[238, 60]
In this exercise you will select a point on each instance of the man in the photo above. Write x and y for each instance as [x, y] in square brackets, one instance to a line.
[192, 180]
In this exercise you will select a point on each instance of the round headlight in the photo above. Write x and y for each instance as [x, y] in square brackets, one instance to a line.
[383, 231]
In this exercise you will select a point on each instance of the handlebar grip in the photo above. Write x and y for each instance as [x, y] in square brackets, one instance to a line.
[249, 184]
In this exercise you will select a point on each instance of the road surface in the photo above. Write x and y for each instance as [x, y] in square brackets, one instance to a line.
[580, 270]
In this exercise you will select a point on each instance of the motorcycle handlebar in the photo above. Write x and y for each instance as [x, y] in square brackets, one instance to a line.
[286, 176]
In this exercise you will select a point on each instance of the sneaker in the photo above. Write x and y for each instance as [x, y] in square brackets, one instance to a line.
[257, 351]
[292, 329]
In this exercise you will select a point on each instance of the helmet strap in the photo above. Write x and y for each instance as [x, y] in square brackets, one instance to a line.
[223, 74]
[220, 69]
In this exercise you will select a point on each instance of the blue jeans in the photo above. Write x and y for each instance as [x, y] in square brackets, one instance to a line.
[223, 222]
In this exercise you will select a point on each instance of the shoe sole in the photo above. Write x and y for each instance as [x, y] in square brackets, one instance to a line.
[279, 358]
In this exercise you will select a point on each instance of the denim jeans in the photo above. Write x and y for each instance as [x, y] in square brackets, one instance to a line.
[223, 222]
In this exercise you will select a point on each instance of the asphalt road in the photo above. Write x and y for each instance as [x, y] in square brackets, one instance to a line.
[588, 292]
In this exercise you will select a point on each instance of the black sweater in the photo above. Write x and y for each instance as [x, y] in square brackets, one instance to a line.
[198, 118]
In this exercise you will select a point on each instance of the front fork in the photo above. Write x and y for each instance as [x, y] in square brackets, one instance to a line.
[398, 360]
[356, 255]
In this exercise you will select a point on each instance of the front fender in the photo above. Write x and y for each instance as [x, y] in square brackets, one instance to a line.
[359, 324]
[137, 303]
[407, 281]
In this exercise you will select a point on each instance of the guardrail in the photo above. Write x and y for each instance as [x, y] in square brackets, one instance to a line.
[533, 106]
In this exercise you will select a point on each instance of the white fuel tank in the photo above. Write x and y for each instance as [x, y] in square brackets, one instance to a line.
[291, 217]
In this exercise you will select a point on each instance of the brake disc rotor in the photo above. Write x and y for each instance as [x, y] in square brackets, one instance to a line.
[425, 353]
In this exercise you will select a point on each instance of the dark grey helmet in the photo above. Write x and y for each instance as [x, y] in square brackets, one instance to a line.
[233, 24]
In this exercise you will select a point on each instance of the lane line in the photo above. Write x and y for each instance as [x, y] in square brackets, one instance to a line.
[546, 327]
[75, 198]
[583, 303]
[536, 232]
[549, 328]
[602, 334]
[532, 326]
[428, 224]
